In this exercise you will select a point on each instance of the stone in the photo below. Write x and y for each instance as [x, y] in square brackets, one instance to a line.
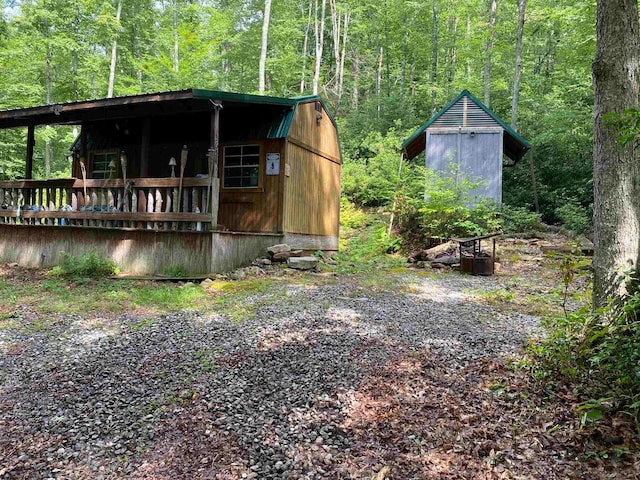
[275, 249]
[284, 256]
[237, 275]
[254, 271]
[262, 261]
[446, 260]
[302, 263]
[206, 283]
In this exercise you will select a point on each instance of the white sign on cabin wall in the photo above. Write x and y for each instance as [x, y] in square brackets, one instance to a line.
[273, 163]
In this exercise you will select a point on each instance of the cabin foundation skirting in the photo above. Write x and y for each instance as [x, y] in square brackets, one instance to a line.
[135, 252]
[300, 241]
[147, 252]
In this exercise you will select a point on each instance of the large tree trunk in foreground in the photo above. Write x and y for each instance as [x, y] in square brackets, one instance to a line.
[616, 167]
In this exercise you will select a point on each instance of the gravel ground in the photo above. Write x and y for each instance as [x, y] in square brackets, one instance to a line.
[286, 394]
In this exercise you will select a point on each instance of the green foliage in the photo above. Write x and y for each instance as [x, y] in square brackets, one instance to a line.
[626, 123]
[574, 216]
[519, 219]
[351, 216]
[88, 265]
[601, 352]
[365, 242]
[175, 271]
[440, 205]
[371, 177]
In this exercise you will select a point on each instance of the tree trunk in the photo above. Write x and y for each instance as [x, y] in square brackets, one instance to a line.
[468, 46]
[319, 31]
[355, 68]
[434, 58]
[114, 50]
[47, 87]
[486, 74]
[379, 83]
[615, 168]
[305, 48]
[345, 29]
[405, 54]
[453, 50]
[176, 50]
[522, 6]
[263, 48]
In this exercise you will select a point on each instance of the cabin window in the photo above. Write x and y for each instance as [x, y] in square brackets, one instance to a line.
[241, 166]
[100, 162]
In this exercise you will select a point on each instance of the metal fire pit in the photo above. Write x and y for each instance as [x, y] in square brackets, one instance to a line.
[478, 263]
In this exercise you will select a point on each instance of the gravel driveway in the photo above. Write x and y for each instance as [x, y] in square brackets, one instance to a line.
[302, 390]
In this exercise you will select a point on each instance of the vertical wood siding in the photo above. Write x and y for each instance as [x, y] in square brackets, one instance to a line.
[320, 135]
[312, 193]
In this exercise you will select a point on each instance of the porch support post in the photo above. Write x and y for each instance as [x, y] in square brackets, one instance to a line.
[144, 147]
[31, 141]
[214, 147]
[83, 145]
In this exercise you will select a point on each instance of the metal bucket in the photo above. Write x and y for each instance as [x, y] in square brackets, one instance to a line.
[466, 264]
[482, 266]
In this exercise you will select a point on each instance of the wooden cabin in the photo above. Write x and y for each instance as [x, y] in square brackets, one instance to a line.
[469, 136]
[197, 180]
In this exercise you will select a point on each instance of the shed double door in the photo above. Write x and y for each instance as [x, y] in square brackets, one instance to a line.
[476, 154]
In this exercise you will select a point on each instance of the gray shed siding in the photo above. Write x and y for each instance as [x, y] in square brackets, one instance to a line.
[474, 154]
[466, 136]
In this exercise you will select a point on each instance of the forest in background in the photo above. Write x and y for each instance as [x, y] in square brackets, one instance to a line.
[384, 67]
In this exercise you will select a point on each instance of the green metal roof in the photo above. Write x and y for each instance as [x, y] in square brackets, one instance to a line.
[519, 146]
[91, 110]
[277, 130]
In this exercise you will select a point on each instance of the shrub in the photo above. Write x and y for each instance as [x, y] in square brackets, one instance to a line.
[440, 205]
[87, 265]
[351, 216]
[600, 351]
[520, 219]
[574, 216]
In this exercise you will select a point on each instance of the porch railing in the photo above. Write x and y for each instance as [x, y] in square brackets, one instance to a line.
[137, 203]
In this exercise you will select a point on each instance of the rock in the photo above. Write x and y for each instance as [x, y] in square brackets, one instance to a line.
[302, 263]
[12, 265]
[254, 271]
[262, 262]
[275, 249]
[206, 283]
[446, 260]
[237, 274]
[283, 256]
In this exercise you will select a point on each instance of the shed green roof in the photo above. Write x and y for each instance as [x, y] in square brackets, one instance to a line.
[514, 145]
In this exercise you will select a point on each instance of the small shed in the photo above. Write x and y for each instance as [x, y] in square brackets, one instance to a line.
[199, 180]
[469, 135]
